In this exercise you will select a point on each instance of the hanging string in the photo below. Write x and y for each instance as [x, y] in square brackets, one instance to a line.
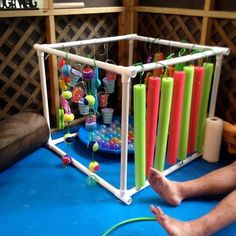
[164, 66]
[141, 73]
[67, 59]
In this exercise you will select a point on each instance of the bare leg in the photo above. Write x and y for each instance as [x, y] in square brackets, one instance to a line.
[217, 182]
[221, 216]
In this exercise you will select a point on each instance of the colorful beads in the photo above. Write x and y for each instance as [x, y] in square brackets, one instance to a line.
[109, 137]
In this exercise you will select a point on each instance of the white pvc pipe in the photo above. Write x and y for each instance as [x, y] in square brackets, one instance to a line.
[124, 131]
[190, 46]
[126, 72]
[91, 41]
[173, 61]
[43, 85]
[88, 61]
[122, 196]
[215, 85]
[166, 172]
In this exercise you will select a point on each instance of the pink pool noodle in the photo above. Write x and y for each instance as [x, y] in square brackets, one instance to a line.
[175, 117]
[151, 120]
[195, 104]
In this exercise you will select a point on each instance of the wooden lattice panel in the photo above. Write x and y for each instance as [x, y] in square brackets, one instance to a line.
[224, 34]
[81, 27]
[19, 77]
[170, 27]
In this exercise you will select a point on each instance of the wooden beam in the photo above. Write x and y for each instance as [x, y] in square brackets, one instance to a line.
[187, 12]
[206, 22]
[57, 12]
[165, 10]
[53, 70]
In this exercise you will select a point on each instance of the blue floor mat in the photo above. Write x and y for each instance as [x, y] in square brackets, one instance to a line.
[40, 197]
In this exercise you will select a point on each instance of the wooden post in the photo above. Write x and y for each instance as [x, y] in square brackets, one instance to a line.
[206, 22]
[52, 66]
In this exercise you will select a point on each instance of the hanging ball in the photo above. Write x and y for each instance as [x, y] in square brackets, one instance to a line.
[66, 160]
[89, 100]
[94, 166]
[66, 70]
[88, 73]
[92, 180]
[68, 138]
[67, 94]
[68, 117]
[93, 146]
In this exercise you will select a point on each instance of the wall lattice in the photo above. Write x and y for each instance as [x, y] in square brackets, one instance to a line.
[189, 28]
[19, 77]
[223, 34]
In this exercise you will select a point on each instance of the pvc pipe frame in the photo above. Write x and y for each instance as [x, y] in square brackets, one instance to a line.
[126, 74]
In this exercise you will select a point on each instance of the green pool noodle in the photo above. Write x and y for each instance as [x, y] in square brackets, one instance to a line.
[185, 115]
[202, 115]
[139, 134]
[163, 124]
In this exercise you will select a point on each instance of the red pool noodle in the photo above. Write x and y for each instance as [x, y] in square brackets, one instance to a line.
[175, 117]
[195, 103]
[151, 120]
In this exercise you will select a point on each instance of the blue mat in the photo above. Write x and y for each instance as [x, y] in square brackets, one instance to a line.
[40, 197]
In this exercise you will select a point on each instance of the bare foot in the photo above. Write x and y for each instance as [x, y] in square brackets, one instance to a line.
[164, 187]
[173, 227]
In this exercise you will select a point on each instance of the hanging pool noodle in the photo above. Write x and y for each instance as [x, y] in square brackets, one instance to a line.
[195, 104]
[139, 134]
[163, 124]
[184, 127]
[208, 72]
[151, 121]
[175, 117]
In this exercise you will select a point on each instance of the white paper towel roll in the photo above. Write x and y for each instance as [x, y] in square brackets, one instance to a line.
[212, 139]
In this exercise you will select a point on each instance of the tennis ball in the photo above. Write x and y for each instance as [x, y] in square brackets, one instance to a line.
[94, 166]
[89, 100]
[67, 94]
[93, 146]
[68, 138]
[68, 117]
